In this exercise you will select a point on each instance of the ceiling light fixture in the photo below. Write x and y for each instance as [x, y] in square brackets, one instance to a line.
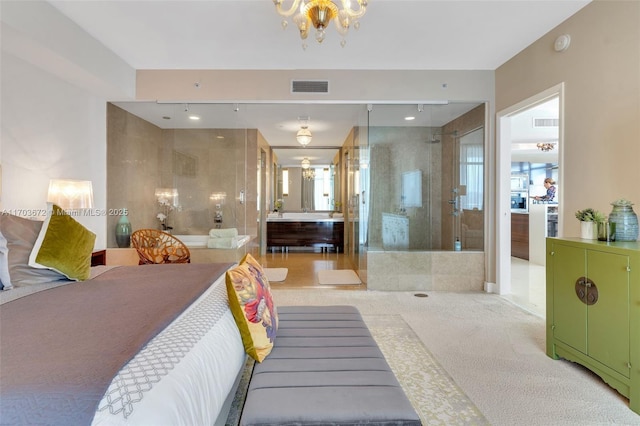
[304, 134]
[309, 174]
[305, 163]
[545, 146]
[318, 13]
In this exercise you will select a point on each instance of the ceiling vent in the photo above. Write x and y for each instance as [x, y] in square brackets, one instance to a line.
[546, 122]
[309, 86]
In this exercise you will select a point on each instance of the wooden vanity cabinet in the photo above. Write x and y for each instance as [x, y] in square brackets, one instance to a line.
[306, 233]
[593, 309]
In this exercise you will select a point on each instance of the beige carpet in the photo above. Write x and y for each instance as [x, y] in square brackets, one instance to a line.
[437, 399]
[484, 348]
[338, 277]
[276, 274]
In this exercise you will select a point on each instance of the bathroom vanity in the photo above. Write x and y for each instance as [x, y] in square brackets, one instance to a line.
[305, 230]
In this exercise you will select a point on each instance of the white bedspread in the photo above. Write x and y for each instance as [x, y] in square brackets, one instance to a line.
[184, 375]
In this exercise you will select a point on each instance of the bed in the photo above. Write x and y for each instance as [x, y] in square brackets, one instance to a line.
[129, 345]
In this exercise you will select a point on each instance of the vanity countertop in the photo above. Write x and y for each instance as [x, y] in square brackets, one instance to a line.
[305, 219]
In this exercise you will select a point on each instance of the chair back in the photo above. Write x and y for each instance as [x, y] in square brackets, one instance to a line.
[155, 246]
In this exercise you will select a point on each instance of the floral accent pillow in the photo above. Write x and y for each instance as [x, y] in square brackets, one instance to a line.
[252, 306]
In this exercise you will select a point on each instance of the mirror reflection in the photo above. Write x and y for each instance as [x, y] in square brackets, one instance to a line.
[308, 180]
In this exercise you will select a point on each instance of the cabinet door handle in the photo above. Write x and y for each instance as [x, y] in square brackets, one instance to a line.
[586, 290]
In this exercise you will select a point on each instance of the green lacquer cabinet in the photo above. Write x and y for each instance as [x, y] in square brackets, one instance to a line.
[593, 309]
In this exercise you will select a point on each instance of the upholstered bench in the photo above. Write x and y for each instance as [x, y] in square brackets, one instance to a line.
[325, 368]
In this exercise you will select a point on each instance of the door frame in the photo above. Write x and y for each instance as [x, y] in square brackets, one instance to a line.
[503, 180]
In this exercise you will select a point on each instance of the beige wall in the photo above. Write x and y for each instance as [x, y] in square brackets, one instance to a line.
[140, 158]
[133, 169]
[601, 71]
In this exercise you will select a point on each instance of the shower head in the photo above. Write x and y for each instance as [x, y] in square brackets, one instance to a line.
[436, 137]
[433, 139]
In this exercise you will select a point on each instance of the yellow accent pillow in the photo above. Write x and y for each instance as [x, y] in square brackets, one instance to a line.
[63, 245]
[252, 306]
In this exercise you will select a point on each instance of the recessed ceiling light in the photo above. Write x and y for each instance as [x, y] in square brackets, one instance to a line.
[166, 117]
[194, 117]
[409, 118]
[219, 137]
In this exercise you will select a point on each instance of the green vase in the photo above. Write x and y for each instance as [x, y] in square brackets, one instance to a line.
[123, 232]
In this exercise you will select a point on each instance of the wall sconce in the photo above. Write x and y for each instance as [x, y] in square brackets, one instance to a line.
[168, 196]
[285, 182]
[69, 194]
[218, 197]
[325, 182]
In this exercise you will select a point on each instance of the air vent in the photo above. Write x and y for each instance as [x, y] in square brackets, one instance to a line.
[546, 122]
[309, 86]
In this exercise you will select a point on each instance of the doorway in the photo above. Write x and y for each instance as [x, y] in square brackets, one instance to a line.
[509, 140]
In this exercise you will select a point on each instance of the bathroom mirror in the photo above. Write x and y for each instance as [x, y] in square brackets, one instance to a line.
[316, 188]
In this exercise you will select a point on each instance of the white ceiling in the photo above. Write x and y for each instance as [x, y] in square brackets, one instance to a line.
[246, 34]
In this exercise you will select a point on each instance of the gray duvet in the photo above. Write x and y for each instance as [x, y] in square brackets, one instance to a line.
[60, 348]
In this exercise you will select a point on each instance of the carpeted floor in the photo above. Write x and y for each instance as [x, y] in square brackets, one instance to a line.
[434, 395]
[485, 349]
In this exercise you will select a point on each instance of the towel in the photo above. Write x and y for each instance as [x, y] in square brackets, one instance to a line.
[222, 243]
[223, 233]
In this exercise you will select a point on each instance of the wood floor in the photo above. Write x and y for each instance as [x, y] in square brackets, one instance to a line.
[304, 266]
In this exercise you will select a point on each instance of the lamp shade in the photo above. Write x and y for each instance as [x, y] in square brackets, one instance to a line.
[71, 194]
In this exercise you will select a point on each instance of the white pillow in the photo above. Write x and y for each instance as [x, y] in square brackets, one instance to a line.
[5, 282]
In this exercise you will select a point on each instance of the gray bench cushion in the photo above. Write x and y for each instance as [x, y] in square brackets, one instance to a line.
[325, 369]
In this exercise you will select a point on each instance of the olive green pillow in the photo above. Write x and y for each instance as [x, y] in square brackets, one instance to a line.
[63, 245]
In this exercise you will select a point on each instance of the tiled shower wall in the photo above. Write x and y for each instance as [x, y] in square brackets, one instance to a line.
[142, 157]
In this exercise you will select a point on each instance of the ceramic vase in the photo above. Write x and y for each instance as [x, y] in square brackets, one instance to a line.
[123, 232]
[626, 222]
[588, 230]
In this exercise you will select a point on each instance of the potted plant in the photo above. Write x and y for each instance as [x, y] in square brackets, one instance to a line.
[588, 219]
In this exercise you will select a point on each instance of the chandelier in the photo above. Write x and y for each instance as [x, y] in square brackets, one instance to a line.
[304, 134]
[319, 13]
[308, 174]
[545, 146]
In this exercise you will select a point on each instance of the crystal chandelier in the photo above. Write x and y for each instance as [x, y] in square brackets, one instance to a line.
[545, 146]
[309, 174]
[304, 134]
[318, 13]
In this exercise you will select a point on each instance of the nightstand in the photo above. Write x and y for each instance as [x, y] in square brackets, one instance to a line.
[99, 258]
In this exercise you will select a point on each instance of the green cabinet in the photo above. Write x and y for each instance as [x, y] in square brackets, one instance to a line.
[593, 309]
